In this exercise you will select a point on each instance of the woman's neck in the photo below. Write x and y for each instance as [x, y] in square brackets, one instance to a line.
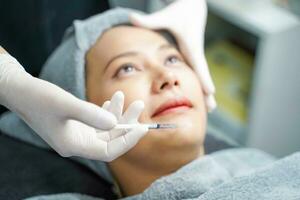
[133, 178]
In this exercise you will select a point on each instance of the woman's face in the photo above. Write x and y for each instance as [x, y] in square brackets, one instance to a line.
[145, 66]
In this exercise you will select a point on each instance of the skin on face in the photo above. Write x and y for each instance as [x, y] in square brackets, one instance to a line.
[145, 66]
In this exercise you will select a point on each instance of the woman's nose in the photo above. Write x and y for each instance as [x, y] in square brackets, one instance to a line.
[165, 80]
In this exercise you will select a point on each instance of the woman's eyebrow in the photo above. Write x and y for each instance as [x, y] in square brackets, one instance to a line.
[167, 46]
[130, 53]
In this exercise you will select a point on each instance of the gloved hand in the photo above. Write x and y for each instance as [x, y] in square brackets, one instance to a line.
[186, 20]
[129, 137]
[65, 122]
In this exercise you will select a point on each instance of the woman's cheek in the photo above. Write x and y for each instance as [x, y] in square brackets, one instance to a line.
[191, 85]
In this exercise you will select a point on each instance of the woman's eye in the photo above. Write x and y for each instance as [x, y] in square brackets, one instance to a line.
[172, 60]
[125, 70]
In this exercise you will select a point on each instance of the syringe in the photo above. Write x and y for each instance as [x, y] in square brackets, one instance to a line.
[150, 126]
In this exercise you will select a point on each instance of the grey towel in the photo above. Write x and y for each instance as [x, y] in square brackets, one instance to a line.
[66, 68]
[277, 181]
[206, 173]
[227, 174]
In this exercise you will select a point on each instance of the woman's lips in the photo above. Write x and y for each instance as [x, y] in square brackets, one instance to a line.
[173, 105]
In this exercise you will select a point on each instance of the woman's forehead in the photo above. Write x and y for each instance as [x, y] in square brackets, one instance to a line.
[122, 39]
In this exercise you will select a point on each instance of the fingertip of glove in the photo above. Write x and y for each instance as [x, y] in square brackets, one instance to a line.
[106, 105]
[212, 87]
[118, 94]
[211, 103]
[134, 18]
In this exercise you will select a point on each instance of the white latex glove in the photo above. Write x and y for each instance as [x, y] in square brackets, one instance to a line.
[186, 20]
[62, 120]
[129, 137]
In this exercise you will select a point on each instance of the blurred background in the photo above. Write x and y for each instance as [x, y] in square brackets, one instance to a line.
[252, 48]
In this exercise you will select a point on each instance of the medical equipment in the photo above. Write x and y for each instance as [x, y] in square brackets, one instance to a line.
[149, 126]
